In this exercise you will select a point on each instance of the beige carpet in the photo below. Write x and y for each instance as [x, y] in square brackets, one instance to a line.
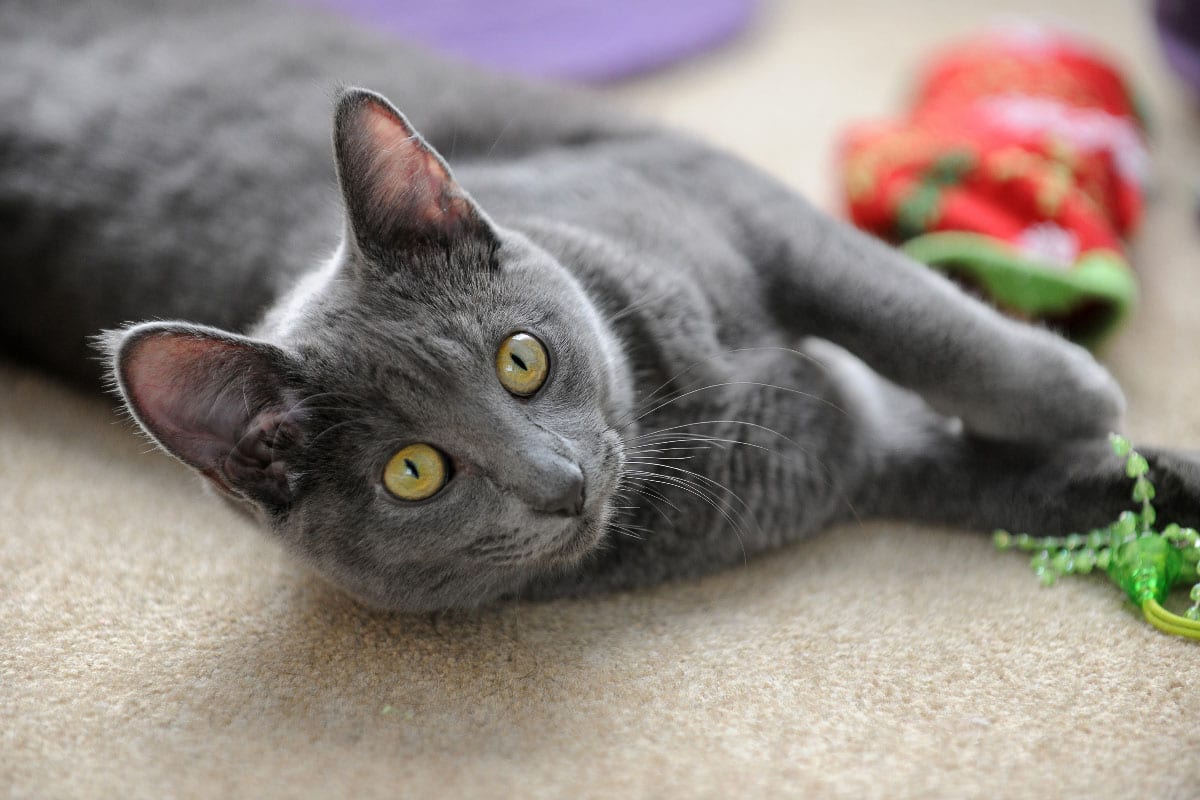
[153, 645]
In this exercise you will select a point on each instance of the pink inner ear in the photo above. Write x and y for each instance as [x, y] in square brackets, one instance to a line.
[405, 177]
[190, 392]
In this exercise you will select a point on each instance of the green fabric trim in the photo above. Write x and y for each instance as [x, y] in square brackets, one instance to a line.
[1034, 287]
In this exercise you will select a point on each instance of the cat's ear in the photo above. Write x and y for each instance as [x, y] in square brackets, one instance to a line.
[399, 192]
[218, 402]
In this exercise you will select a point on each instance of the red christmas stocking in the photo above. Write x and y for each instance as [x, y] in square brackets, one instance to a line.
[1018, 172]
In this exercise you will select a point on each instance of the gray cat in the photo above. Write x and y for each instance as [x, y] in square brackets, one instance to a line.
[598, 355]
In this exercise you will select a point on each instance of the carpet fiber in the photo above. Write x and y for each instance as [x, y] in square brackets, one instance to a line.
[153, 645]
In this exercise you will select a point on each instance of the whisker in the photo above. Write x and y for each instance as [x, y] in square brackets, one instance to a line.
[753, 425]
[721, 444]
[334, 427]
[627, 530]
[705, 497]
[710, 481]
[748, 512]
[321, 396]
[657, 438]
[663, 458]
[650, 496]
[647, 448]
[800, 392]
[646, 400]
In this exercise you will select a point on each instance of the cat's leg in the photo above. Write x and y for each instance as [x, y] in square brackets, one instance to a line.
[923, 466]
[1004, 379]
[821, 277]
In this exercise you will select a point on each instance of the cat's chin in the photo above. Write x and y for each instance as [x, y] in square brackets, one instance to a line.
[570, 546]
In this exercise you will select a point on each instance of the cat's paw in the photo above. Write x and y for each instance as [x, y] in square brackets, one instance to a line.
[1046, 391]
[1081, 398]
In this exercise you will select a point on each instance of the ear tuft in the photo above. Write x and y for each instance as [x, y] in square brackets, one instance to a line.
[216, 401]
[399, 192]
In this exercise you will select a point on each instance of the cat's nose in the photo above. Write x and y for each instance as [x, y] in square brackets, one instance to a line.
[561, 490]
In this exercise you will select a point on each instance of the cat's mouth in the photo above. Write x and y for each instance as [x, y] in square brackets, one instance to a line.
[548, 541]
[570, 543]
[576, 541]
[573, 543]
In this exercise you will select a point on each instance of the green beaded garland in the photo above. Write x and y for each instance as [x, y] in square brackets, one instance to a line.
[1146, 563]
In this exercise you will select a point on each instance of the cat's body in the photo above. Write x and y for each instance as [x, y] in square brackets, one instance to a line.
[696, 411]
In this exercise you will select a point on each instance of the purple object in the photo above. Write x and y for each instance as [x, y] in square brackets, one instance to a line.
[1178, 24]
[576, 40]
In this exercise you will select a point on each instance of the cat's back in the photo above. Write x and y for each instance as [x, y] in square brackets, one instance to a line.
[162, 158]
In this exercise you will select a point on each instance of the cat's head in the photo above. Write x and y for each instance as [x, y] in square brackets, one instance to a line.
[431, 420]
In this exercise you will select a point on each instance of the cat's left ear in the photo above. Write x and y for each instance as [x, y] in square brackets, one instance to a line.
[399, 192]
[219, 402]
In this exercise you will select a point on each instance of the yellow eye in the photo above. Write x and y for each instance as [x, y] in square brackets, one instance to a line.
[522, 364]
[416, 472]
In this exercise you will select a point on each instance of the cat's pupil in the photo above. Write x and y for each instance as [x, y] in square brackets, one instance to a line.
[517, 360]
[412, 468]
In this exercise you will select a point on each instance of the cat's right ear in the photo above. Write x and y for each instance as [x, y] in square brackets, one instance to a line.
[220, 403]
[399, 192]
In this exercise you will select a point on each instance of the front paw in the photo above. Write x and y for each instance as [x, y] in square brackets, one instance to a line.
[1047, 391]
[1082, 398]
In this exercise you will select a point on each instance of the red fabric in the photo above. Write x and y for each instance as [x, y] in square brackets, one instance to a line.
[1030, 138]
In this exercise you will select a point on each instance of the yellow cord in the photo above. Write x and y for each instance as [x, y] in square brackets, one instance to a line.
[1177, 621]
[1167, 622]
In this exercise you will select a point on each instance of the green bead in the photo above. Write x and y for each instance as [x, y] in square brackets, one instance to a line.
[1002, 539]
[1047, 577]
[1191, 554]
[1023, 541]
[1104, 558]
[1149, 515]
[1120, 445]
[1073, 541]
[1126, 524]
[1191, 536]
[1136, 465]
[1193, 613]
[1085, 561]
[1194, 594]
[1097, 539]
[1173, 533]
[1146, 568]
[1060, 562]
[1143, 490]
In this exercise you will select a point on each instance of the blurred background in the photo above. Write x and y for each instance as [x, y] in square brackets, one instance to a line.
[669, 56]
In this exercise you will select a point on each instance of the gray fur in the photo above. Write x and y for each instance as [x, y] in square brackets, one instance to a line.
[731, 370]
